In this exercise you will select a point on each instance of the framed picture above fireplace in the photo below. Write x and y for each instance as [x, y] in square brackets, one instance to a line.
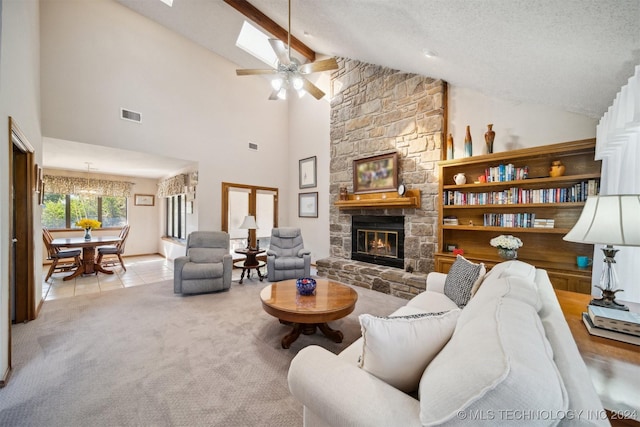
[377, 173]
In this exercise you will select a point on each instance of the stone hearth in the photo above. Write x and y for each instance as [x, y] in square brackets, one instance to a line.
[383, 279]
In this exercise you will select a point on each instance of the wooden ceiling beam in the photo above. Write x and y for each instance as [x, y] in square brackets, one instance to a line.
[250, 11]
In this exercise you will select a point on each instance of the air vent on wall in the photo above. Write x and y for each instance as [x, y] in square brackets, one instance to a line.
[253, 146]
[132, 116]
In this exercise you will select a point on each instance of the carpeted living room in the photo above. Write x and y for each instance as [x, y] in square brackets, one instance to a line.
[331, 210]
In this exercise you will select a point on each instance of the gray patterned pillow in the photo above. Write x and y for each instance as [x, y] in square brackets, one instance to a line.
[460, 280]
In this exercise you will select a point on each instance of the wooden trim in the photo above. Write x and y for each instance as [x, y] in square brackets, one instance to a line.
[445, 120]
[224, 224]
[5, 378]
[252, 13]
[389, 199]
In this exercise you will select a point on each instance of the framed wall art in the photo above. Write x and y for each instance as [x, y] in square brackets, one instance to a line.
[307, 172]
[144, 200]
[308, 205]
[377, 173]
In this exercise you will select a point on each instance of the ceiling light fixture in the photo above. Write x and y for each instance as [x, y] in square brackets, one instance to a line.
[429, 53]
[290, 73]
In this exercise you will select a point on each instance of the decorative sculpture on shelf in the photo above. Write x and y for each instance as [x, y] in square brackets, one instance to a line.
[489, 136]
[450, 147]
[468, 143]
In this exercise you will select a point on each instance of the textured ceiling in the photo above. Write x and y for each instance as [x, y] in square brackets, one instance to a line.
[571, 54]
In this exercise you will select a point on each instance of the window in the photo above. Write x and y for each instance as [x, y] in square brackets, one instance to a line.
[239, 200]
[63, 210]
[176, 211]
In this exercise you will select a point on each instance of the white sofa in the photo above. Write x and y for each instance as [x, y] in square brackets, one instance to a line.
[510, 361]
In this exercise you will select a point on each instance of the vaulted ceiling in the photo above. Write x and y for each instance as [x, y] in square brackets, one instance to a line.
[571, 54]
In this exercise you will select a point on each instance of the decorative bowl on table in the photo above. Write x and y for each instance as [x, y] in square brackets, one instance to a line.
[306, 286]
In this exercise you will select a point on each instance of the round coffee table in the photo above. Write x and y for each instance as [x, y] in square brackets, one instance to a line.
[332, 301]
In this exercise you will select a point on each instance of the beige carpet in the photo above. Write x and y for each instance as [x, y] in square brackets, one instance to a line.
[143, 356]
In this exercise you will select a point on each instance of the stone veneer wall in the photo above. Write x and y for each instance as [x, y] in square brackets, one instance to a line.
[377, 110]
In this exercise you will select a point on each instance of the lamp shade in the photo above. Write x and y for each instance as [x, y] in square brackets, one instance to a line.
[249, 223]
[608, 220]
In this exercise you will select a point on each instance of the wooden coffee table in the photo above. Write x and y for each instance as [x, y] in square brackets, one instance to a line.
[332, 301]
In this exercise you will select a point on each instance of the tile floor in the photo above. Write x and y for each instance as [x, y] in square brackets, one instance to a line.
[141, 270]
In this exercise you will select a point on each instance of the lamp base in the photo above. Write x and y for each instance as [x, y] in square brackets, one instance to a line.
[608, 300]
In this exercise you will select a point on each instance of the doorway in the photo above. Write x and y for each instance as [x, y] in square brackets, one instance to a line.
[22, 183]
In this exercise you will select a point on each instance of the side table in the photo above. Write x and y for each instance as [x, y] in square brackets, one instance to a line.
[251, 262]
[614, 366]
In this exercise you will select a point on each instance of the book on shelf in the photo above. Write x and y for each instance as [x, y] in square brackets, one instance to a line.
[450, 220]
[608, 333]
[617, 320]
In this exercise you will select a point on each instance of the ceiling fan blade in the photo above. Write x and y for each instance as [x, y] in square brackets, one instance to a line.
[251, 72]
[281, 51]
[274, 95]
[312, 89]
[322, 65]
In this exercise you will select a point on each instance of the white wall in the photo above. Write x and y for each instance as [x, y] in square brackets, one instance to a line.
[20, 99]
[309, 136]
[144, 220]
[98, 56]
[517, 125]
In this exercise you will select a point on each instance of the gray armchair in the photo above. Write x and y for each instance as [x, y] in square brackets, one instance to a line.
[207, 265]
[287, 258]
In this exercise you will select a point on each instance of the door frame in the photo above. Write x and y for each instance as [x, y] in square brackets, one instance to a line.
[253, 189]
[23, 186]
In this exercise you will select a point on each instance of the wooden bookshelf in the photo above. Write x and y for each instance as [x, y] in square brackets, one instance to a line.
[543, 247]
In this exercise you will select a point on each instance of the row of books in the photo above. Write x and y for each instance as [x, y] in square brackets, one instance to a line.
[517, 220]
[576, 193]
[543, 223]
[509, 172]
[612, 323]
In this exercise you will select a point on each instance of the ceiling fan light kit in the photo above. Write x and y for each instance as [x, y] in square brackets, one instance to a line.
[291, 74]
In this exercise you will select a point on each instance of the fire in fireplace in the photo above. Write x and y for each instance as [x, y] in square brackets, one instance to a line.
[378, 239]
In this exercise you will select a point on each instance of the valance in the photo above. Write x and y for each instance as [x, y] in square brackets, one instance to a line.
[75, 185]
[172, 186]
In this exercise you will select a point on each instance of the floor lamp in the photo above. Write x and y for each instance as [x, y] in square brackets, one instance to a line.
[611, 221]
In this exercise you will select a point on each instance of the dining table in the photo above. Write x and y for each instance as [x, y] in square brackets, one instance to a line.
[88, 247]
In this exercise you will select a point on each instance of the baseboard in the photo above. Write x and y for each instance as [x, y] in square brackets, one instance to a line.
[5, 377]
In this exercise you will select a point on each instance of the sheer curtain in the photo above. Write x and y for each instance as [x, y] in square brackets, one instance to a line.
[618, 146]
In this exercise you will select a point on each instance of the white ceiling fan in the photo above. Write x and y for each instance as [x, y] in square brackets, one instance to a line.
[291, 74]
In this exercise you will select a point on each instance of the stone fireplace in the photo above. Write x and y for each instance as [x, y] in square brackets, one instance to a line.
[376, 110]
[378, 239]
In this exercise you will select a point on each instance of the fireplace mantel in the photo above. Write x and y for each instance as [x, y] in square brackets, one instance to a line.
[388, 199]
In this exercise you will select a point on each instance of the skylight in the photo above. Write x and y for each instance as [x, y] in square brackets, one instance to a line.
[167, 2]
[256, 43]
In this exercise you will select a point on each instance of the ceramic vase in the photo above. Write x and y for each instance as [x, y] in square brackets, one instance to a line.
[87, 233]
[489, 136]
[468, 144]
[507, 253]
[450, 147]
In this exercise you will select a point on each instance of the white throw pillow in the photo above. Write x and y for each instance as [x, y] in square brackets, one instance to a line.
[398, 349]
[463, 280]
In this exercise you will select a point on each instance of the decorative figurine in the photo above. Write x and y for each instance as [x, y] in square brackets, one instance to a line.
[489, 136]
[468, 144]
[450, 147]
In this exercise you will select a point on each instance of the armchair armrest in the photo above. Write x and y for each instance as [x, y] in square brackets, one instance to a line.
[303, 252]
[271, 253]
[435, 281]
[342, 394]
[178, 265]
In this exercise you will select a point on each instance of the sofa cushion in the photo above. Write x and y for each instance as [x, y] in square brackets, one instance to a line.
[429, 302]
[513, 268]
[195, 271]
[498, 363]
[398, 349]
[461, 279]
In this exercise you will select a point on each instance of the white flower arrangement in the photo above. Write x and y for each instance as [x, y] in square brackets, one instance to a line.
[506, 242]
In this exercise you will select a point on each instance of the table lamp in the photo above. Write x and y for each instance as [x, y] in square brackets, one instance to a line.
[611, 220]
[249, 224]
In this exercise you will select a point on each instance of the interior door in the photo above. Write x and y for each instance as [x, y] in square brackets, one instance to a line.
[21, 248]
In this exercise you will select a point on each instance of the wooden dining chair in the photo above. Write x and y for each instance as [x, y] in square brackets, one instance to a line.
[60, 260]
[114, 253]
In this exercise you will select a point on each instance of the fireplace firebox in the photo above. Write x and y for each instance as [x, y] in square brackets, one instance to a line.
[378, 239]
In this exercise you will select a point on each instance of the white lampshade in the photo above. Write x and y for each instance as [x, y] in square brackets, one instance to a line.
[608, 220]
[249, 223]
